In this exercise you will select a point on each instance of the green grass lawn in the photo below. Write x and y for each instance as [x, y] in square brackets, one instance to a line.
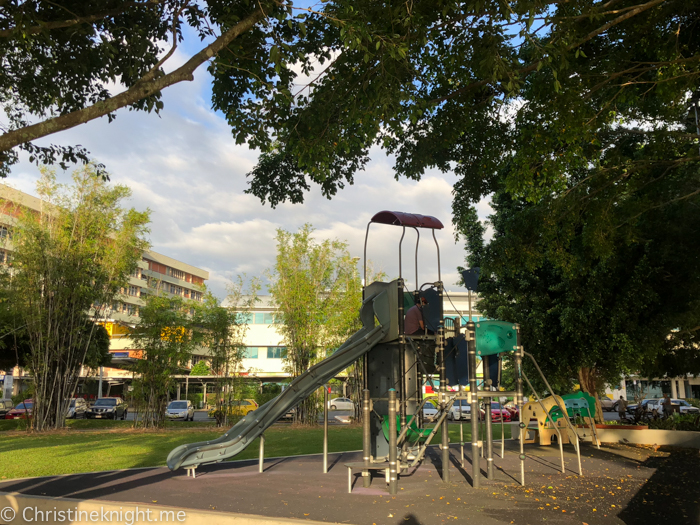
[68, 452]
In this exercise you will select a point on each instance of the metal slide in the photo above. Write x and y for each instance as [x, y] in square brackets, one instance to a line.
[378, 305]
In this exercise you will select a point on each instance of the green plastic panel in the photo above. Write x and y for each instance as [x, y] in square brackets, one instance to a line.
[494, 337]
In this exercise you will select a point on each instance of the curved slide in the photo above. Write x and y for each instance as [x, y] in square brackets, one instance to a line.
[378, 306]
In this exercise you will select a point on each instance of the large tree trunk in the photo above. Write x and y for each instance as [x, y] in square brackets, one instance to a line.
[588, 379]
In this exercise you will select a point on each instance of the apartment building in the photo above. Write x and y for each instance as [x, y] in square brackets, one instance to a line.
[156, 273]
[265, 350]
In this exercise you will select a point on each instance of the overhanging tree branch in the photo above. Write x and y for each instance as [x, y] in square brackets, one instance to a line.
[138, 91]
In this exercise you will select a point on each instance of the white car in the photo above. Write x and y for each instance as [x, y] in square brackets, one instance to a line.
[684, 406]
[460, 410]
[430, 411]
[341, 403]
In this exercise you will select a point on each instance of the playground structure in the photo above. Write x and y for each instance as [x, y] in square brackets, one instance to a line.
[395, 437]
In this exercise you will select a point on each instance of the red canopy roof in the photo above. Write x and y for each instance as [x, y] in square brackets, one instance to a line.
[398, 218]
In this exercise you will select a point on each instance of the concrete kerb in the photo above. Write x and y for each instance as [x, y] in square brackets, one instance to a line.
[20, 509]
[672, 438]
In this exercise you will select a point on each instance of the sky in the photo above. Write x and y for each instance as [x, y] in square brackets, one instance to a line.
[185, 167]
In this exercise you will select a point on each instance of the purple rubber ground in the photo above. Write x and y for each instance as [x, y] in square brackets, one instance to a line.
[621, 484]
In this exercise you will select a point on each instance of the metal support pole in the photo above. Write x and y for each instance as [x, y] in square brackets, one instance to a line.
[99, 386]
[443, 398]
[262, 453]
[461, 441]
[471, 346]
[393, 453]
[519, 402]
[489, 422]
[366, 435]
[503, 430]
[402, 360]
[325, 429]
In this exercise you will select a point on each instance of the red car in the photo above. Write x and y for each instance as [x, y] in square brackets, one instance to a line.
[498, 411]
[21, 411]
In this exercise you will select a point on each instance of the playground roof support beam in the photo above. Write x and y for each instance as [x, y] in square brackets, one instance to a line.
[410, 220]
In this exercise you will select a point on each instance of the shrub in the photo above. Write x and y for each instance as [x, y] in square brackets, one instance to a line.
[677, 422]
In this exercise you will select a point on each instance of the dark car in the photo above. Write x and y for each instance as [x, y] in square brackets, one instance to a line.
[5, 406]
[107, 408]
[21, 411]
[77, 408]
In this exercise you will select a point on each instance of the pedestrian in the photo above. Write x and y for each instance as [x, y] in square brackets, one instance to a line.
[668, 406]
[622, 407]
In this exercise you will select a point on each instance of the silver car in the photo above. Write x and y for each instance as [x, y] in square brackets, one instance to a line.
[77, 408]
[180, 410]
[460, 410]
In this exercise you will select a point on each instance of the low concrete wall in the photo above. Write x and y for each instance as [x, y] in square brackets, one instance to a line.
[674, 438]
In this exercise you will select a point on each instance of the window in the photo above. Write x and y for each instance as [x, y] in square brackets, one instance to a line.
[245, 318]
[5, 232]
[276, 352]
[264, 318]
[178, 274]
[251, 352]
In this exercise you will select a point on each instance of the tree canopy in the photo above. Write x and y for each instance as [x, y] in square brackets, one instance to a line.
[454, 85]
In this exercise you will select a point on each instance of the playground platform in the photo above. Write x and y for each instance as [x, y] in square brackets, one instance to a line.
[620, 485]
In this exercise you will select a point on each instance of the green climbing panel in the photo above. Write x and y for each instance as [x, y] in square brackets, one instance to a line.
[494, 337]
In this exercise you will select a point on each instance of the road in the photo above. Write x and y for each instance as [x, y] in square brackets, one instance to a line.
[334, 416]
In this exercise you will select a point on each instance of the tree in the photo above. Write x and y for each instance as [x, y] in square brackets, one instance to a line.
[70, 259]
[200, 369]
[590, 317]
[59, 57]
[223, 331]
[318, 294]
[167, 336]
[524, 97]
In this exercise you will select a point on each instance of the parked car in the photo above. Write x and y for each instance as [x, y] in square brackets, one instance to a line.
[180, 410]
[289, 414]
[607, 404]
[243, 406]
[513, 409]
[108, 408]
[631, 409]
[5, 406]
[498, 411]
[430, 411]
[77, 408]
[684, 406]
[460, 410]
[341, 403]
[21, 411]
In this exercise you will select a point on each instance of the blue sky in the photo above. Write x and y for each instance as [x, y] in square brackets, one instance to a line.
[186, 168]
